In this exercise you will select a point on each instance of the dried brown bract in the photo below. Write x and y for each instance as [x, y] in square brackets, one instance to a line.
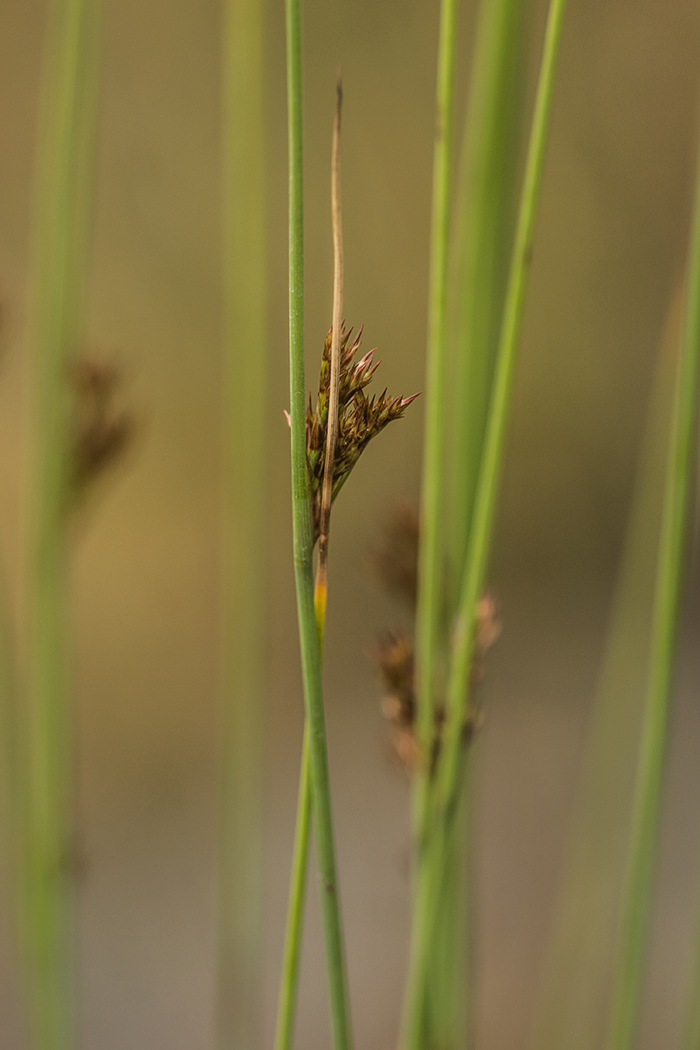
[395, 663]
[360, 418]
[101, 432]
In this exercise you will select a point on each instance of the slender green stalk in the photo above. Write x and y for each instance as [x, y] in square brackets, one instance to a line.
[451, 766]
[450, 991]
[63, 210]
[669, 585]
[448, 776]
[432, 884]
[574, 990]
[286, 1008]
[485, 215]
[11, 744]
[303, 551]
[486, 206]
[12, 763]
[289, 983]
[432, 502]
[245, 299]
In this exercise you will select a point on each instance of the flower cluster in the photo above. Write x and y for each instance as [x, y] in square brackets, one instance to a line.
[360, 418]
[396, 561]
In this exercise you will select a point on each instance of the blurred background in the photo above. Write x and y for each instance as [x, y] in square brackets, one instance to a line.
[147, 556]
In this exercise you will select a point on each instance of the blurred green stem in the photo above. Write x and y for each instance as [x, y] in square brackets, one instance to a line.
[289, 984]
[486, 206]
[303, 550]
[11, 744]
[449, 774]
[432, 494]
[578, 963]
[12, 765]
[669, 584]
[62, 219]
[484, 212]
[245, 304]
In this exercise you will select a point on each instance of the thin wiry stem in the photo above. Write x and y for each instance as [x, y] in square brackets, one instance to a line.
[669, 585]
[486, 212]
[458, 689]
[339, 427]
[451, 765]
[62, 221]
[303, 550]
[486, 197]
[583, 937]
[289, 983]
[245, 312]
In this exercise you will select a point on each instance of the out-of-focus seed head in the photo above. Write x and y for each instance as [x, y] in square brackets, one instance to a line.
[393, 657]
[101, 432]
[396, 557]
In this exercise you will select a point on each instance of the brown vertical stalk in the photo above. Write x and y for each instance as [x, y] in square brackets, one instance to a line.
[332, 437]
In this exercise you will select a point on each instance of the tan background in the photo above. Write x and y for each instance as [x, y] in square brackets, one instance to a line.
[608, 257]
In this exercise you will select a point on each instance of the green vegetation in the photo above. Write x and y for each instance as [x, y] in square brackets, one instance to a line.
[664, 633]
[62, 221]
[482, 234]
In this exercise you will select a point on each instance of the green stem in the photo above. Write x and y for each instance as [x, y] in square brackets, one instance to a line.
[448, 776]
[11, 745]
[450, 992]
[431, 886]
[669, 577]
[289, 983]
[486, 198]
[286, 1009]
[583, 936]
[485, 214]
[62, 219]
[13, 802]
[451, 767]
[432, 502]
[303, 551]
[245, 305]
